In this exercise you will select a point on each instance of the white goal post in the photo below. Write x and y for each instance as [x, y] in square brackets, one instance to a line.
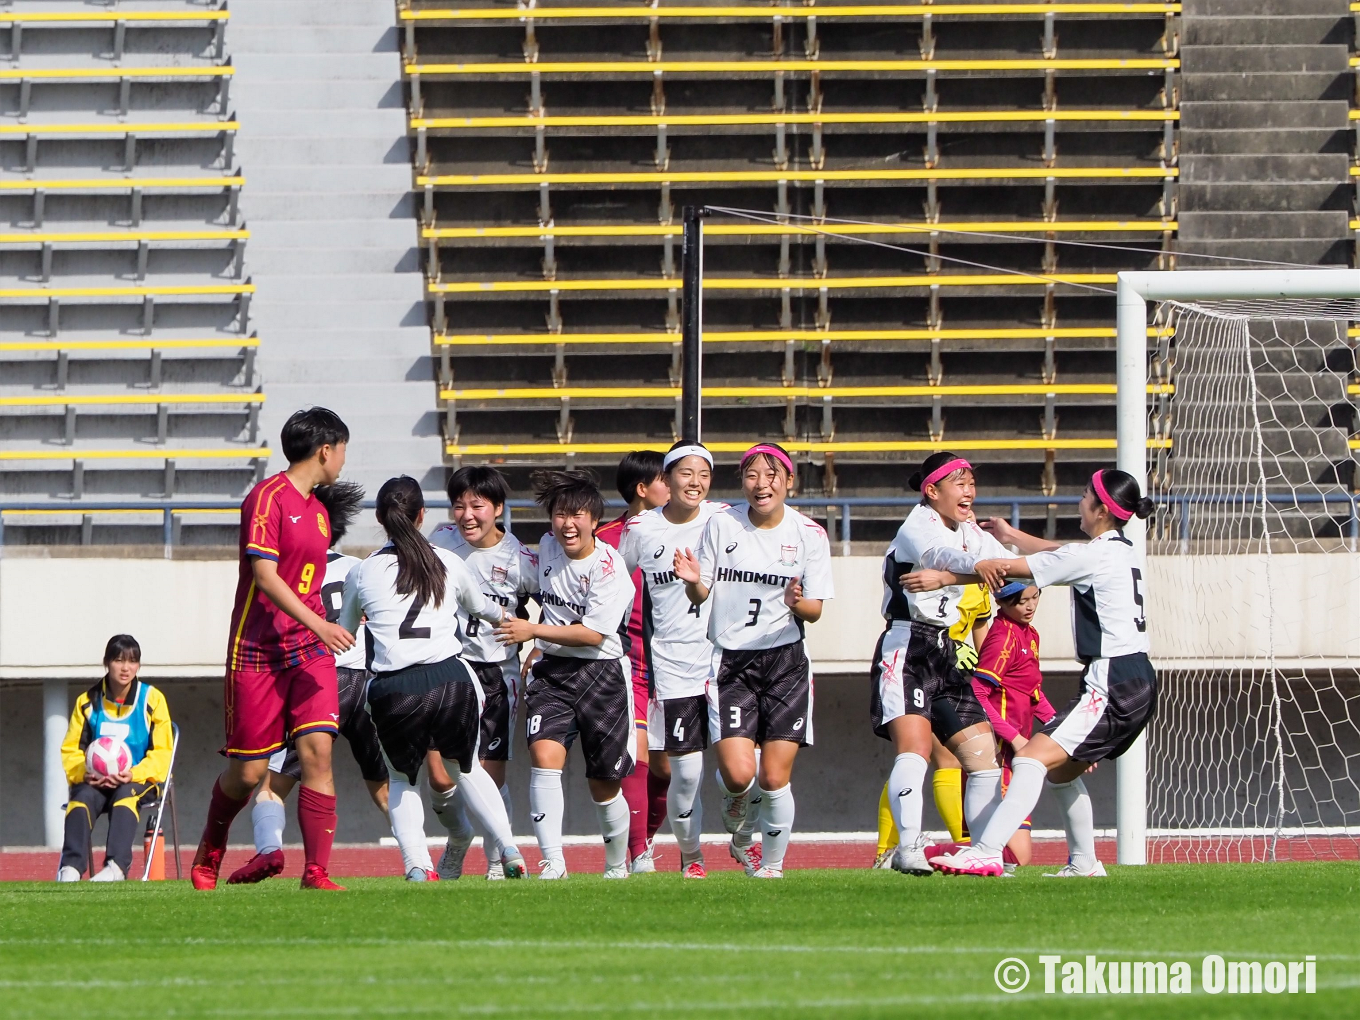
[1135, 291]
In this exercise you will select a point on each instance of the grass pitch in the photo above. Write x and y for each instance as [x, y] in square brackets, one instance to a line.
[819, 943]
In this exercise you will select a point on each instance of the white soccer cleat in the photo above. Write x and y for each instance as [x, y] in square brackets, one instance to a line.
[450, 866]
[551, 871]
[883, 861]
[422, 875]
[511, 866]
[764, 872]
[66, 873]
[911, 859]
[495, 872]
[617, 872]
[645, 862]
[1069, 870]
[111, 872]
[749, 856]
[970, 860]
[695, 869]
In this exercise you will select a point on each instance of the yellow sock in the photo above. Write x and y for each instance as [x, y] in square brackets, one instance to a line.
[948, 788]
[887, 830]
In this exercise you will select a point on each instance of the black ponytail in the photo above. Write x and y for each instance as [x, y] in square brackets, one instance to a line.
[342, 501]
[1123, 489]
[419, 571]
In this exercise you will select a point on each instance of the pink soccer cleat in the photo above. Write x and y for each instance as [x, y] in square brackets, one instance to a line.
[969, 861]
[258, 868]
[695, 869]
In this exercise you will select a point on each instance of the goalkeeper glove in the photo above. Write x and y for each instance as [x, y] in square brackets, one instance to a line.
[966, 658]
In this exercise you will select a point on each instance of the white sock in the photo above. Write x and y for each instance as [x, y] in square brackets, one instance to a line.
[755, 801]
[509, 807]
[905, 781]
[1027, 781]
[448, 808]
[545, 811]
[683, 806]
[614, 828]
[776, 825]
[268, 817]
[1077, 820]
[478, 793]
[981, 798]
[406, 811]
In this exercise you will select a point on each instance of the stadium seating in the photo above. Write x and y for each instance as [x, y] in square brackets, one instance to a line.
[961, 141]
[127, 362]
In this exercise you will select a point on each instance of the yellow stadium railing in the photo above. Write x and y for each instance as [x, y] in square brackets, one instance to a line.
[126, 345]
[121, 14]
[97, 453]
[200, 127]
[652, 67]
[769, 283]
[157, 290]
[961, 227]
[781, 336]
[774, 176]
[139, 399]
[792, 392]
[774, 119]
[122, 183]
[112, 236]
[798, 446]
[173, 72]
[789, 13]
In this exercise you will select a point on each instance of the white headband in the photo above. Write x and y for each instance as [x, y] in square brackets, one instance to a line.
[681, 452]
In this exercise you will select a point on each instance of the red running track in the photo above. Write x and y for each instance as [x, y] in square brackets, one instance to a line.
[371, 860]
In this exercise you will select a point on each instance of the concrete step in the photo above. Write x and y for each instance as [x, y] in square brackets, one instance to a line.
[388, 234]
[1270, 141]
[289, 14]
[279, 261]
[312, 67]
[351, 344]
[339, 369]
[1262, 197]
[327, 206]
[328, 152]
[304, 287]
[1306, 251]
[1250, 30]
[384, 178]
[338, 39]
[1260, 85]
[1197, 60]
[348, 123]
[1263, 9]
[363, 94]
[336, 314]
[1214, 226]
[1278, 169]
[1258, 116]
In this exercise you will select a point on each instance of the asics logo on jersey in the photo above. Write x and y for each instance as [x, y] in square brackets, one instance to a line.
[730, 547]
[773, 832]
[494, 744]
[618, 765]
[751, 577]
[295, 519]
[538, 817]
[685, 814]
[904, 793]
[547, 570]
[659, 550]
[798, 725]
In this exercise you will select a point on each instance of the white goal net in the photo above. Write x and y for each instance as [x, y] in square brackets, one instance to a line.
[1255, 752]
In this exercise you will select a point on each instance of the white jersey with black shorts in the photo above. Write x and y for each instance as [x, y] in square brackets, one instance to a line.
[508, 575]
[1118, 695]
[760, 680]
[675, 631]
[915, 666]
[352, 686]
[423, 695]
[586, 689]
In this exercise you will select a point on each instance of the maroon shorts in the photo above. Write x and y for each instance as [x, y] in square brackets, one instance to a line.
[267, 708]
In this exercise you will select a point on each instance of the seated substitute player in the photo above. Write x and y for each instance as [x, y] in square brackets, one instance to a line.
[423, 696]
[507, 571]
[342, 501]
[677, 647]
[1118, 695]
[119, 706]
[642, 484]
[916, 688]
[767, 569]
[281, 682]
[975, 614]
[577, 674]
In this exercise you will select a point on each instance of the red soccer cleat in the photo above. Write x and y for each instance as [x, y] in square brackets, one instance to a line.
[314, 877]
[695, 869]
[207, 863]
[258, 868]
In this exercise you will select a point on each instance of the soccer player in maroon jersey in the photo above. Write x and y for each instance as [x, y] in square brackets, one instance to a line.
[643, 484]
[281, 680]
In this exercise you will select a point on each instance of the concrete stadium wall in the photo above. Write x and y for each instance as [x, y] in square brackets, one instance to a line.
[56, 614]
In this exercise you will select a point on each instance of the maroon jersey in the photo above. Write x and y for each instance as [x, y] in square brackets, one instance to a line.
[611, 534]
[1007, 679]
[278, 523]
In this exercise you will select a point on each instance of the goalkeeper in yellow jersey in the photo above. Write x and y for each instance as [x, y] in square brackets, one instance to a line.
[975, 613]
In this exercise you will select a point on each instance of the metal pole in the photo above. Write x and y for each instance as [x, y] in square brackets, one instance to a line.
[56, 715]
[1131, 432]
[692, 323]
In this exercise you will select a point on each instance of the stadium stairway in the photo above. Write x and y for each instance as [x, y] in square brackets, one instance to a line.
[1264, 152]
[340, 295]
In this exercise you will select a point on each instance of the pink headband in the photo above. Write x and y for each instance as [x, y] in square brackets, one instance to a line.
[772, 451]
[945, 470]
[1116, 511]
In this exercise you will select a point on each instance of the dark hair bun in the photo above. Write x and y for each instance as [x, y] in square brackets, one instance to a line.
[914, 482]
[1144, 509]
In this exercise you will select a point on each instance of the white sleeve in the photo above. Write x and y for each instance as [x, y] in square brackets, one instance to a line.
[1074, 563]
[628, 544]
[469, 592]
[528, 571]
[608, 603]
[708, 550]
[351, 612]
[817, 580]
[988, 547]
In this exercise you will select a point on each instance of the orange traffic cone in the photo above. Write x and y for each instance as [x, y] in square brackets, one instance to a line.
[157, 858]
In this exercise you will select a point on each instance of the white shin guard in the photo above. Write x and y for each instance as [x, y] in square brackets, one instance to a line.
[684, 808]
[1078, 821]
[267, 817]
[545, 811]
[406, 812]
[981, 797]
[905, 799]
[1027, 781]
[776, 825]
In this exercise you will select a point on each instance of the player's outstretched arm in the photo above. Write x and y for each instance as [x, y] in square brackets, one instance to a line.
[807, 610]
[919, 581]
[995, 572]
[514, 631]
[686, 567]
[1025, 544]
[267, 579]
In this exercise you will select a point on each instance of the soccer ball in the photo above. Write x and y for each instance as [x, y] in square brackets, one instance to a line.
[108, 756]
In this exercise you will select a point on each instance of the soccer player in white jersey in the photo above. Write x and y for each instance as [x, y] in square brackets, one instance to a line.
[578, 675]
[767, 569]
[423, 695]
[342, 501]
[916, 687]
[507, 571]
[1118, 695]
[676, 638]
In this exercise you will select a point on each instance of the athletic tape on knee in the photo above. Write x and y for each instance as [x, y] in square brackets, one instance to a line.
[977, 753]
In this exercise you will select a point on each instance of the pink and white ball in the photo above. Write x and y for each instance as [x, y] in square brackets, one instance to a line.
[108, 756]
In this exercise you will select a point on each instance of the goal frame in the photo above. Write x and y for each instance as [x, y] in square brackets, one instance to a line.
[1135, 290]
